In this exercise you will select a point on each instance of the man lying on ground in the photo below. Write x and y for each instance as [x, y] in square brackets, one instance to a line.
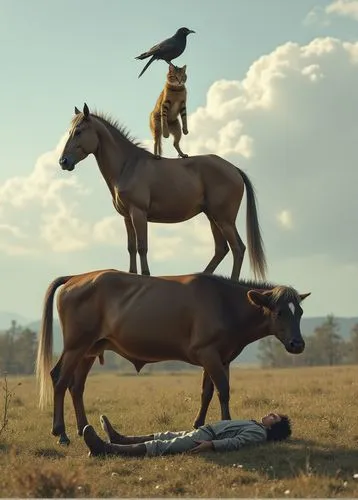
[225, 435]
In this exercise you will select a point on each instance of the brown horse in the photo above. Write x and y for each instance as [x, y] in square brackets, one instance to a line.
[201, 319]
[145, 189]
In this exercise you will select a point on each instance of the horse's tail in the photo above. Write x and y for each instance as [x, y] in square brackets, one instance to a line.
[44, 350]
[254, 238]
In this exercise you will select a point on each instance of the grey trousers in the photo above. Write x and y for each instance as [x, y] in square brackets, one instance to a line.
[170, 443]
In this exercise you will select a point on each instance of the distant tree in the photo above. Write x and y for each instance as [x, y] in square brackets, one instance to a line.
[272, 354]
[311, 355]
[352, 351]
[26, 347]
[328, 346]
[18, 350]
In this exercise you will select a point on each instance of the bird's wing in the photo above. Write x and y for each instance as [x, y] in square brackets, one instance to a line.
[162, 47]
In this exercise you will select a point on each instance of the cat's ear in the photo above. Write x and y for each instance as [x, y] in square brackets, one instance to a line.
[184, 68]
[171, 68]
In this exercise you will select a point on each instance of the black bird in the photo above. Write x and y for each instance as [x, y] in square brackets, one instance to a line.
[168, 49]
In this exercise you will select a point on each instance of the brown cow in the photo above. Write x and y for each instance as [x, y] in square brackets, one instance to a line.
[201, 319]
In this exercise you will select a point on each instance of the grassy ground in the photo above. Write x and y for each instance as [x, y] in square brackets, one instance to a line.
[320, 460]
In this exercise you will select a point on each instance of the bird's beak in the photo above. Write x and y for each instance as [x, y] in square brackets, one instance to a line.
[191, 31]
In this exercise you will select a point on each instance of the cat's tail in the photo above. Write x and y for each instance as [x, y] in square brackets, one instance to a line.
[160, 145]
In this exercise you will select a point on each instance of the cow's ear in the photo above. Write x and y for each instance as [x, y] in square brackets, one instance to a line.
[260, 299]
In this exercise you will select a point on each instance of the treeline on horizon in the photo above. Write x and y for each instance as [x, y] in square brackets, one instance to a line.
[325, 346]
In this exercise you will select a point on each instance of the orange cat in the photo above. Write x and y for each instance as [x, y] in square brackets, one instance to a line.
[164, 119]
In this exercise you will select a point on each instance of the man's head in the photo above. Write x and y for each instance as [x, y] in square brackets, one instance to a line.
[278, 426]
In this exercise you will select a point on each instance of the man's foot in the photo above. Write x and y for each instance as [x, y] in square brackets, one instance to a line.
[113, 436]
[95, 444]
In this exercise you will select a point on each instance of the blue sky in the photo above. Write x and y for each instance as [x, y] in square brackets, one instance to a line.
[58, 55]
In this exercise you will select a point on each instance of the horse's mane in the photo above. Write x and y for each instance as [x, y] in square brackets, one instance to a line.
[113, 125]
[279, 291]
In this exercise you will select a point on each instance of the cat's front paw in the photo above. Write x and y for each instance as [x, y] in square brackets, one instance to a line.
[185, 131]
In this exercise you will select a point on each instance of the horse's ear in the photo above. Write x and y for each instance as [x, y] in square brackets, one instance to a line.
[304, 295]
[259, 299]
[77, 111]
[86, 111]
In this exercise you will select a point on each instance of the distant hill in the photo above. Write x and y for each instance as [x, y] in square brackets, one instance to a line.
[249, 355]
[6, 317]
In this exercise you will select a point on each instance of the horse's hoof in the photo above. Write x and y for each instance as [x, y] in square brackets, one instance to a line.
[183, 156]
[157, 157]
[64, 440]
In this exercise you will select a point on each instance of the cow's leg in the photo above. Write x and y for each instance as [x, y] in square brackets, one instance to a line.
[211, 362]
[207, 391]
[76, 388]
[62, 376]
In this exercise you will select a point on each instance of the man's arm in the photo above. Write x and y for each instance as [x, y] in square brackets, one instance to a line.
[245, 438]
[203, 446]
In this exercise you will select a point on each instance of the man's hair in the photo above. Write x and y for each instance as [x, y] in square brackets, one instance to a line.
[281, 430]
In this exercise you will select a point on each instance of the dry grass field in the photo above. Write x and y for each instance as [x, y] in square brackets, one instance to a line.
[320, 460]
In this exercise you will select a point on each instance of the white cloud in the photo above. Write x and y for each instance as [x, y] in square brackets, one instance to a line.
[13, 230]
[316, 16]
[24, 199]
[321, 15]
[297, 106]
[313, 72]
[107, 230]
[42, 211]
[163, 247]
[346, 8]
[285, 219]
[64, 232]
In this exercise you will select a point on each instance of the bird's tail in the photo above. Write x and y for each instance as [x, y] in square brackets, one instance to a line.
[146, 66]
[143, 56]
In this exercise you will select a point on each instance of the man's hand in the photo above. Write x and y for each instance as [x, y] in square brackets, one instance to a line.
[202, 446]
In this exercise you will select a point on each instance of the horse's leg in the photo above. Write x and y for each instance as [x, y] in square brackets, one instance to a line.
[61, 376]
[221, 248]
[237, 247]
[77, 388]
[139, 220]
[211, 362]
[132, 245]
[207, 391]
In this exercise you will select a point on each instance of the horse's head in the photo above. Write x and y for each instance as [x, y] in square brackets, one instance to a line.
[282, 305]
[82, 141]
